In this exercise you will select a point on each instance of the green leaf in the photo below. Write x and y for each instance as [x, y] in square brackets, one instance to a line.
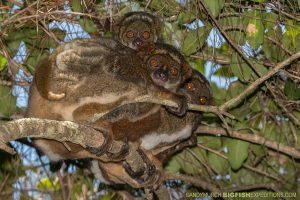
[210, 141]
[270, 20]
[7, 102]
[291, 90]
[186, 18]
[13, 46]
[270, 132]
[47, 183]
[235, 34]
[258, 1]
[241, 70]
[234, 89]
[76, 6]
[34, 57]
[218, 163]
[194, 40]
[88, 25]
[3, 62]
[215, 6]
[237, 152]
[272, 52]
[49, 42]
[173, 165]
[224, 71]
[167, 7]
[183, 160]
[292, 31]
[261, 69]
[254, 105]
[258, 150]
[299, 4]
[219, 94]
[198, 65]
[255, 30]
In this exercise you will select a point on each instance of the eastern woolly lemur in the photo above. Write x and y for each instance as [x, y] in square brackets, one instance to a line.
[93, 79]
[167, 129]
[135, 29]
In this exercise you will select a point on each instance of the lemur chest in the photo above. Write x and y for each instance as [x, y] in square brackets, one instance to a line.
[155, 138]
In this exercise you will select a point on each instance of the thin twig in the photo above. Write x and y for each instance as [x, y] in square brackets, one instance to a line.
[281, 11]
[279, 45]
[226, 37]
[251, 88]
[244, 165]
[195, 180]
[283, 107]
[253, 138]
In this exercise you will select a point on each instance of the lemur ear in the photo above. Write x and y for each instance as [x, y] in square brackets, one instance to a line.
[186, 71]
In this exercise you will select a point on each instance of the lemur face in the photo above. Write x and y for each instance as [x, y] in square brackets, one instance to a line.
[197, 89]
[138, 28]
[167, 67]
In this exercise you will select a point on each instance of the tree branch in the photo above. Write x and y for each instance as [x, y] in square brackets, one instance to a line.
[251, 88]
[226, 37]
[195, 180]
[253, 138]
[50, 129]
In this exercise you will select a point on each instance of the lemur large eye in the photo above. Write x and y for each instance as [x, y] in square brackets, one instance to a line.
[129, 34]
[153, 62]
[189, 86]
[146, 35]
[174, 71]
[203, 100]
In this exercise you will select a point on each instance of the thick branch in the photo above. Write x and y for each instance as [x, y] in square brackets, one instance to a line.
[43, 128]
[253, 138]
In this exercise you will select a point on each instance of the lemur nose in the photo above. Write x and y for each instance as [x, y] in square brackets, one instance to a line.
[137, 42]
[161, 74]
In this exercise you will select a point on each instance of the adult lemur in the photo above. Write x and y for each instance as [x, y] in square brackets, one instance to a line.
[167, 130]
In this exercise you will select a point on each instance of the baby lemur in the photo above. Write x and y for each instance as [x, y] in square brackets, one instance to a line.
[168, 128]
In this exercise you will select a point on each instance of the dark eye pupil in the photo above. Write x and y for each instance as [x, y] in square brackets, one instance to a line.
[189, 86]
[174, 71]
[129, 34]
[203, 100]
[146, 34]
[153, 62]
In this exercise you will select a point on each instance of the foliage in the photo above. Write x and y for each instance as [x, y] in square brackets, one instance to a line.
[269, 33]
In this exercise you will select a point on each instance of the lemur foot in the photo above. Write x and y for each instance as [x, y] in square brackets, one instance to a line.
[145, 172]
[115, 150]
[181, 109]
[99, 151]
[118, 150]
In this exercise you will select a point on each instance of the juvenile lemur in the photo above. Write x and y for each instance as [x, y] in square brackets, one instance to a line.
[168, 129]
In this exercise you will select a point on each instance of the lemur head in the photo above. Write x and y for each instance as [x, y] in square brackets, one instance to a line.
[197, 89]
[166, 66]
[137, 28]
